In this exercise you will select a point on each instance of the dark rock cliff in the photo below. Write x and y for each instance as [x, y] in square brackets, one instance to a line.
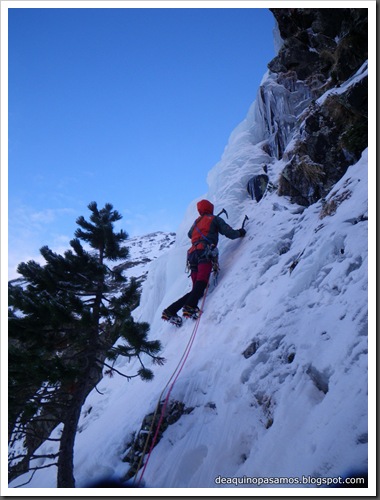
[322, 49]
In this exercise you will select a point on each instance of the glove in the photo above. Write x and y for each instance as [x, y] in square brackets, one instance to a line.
[242, 232]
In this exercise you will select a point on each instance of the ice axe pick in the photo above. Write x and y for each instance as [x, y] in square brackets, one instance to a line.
[224, 211]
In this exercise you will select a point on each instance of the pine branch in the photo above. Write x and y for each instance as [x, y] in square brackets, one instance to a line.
[25, 432]
[117, 371]
[34, 457]
[50, 455]
[35, 469]
[141, 363]
[158, 360]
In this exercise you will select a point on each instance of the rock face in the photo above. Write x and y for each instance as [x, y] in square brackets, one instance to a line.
[327, 43]
[152, 428]
[322, 49]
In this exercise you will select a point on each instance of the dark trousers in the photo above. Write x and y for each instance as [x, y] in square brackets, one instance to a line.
[199, 276]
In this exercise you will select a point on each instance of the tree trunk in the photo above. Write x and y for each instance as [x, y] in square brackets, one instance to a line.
[65, 476]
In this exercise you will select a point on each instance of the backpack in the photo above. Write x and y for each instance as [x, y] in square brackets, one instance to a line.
[201, 230]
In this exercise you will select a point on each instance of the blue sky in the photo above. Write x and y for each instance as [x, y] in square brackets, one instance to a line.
[120, 105]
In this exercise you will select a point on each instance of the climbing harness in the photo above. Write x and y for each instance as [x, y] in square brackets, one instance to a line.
[173, 379]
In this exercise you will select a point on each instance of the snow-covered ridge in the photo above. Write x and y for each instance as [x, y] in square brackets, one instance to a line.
[143, 250]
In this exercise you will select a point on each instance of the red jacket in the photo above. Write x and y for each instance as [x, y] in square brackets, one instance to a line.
[205, 230]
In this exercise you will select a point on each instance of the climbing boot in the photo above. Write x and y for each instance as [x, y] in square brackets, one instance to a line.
[191, 312]
[174, 319]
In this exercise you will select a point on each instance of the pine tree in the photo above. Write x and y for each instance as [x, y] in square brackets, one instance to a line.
[64, 321]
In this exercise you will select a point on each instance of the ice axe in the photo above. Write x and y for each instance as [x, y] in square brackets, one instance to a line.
[224, 211]
[244, 221]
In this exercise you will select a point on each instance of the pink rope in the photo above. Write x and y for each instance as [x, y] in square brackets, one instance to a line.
[186, 355]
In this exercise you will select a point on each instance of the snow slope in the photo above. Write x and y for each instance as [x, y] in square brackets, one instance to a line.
[308, 376]
[294, 291]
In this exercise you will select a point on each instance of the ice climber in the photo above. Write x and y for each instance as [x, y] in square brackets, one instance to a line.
[204, 235]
